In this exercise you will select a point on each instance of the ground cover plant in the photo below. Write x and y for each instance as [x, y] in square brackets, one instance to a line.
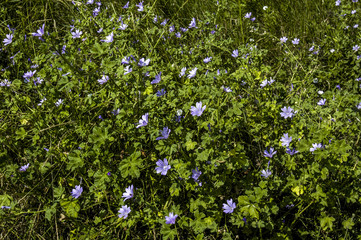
[130, 124]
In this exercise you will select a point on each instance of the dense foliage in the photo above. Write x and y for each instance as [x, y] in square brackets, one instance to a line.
[128, 124]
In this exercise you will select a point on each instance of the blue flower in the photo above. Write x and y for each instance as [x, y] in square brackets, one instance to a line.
[287, 112]
[229, 207]
[192, 73]
[126, 5]
[248, 15]
[266, 173]
[104, 79]
[291, 152]
[127, 70]
[198, 110]
[140, 6]
[178, 35]
[286, 140]
[196, 174]
[235, 53]
[108, 38]
[76, 34]
[170, 219]
[295, 41]
[144, 121]
[129, 193]
[315, 146]
[207, 60]
[24, 168]
[157, 78]
[227, 89]
[283, 39]
[338, 2]
[8, 39]
[193, 23]
[40, 32]
[165, 133]
[355, 48]
[270, 153]
[183, 71]
[163, 166]
[124, 211]
[77, 191]
[321, 102]
[161, 93]
[143, 62]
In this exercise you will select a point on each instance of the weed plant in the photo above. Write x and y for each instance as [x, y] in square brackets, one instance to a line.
[135, 123]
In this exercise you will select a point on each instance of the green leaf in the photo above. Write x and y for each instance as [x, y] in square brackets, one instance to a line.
[190, 145]
[168, 233]
[75, 161]
[130, 166]
[327, 222]
[71, 208]
[50, 211]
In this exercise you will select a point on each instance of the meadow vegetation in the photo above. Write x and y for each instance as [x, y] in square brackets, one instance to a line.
[179, 119]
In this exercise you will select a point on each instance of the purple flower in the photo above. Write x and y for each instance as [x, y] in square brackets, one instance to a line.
[193, 23]
[198, 110]
[127, 70]
[163, 166]
[315, 146]
[183, 71]
[161, 93]
[29, 74]
[227, 89]
[270, 153]
[192, 73]
[171, 29]
[338, 2]
[358, 106]
[287, 112]
[229, 207]
[128, 193]
[76, 34]
[126, 5]
[143, 62]
[76, 192]
[170, 219]
[124, 211]
[60, 101]
[248, 15]
[321, 102]
[207, 60]
[164, 22]
[5, 207]
[355, 48]
[90, 2]
[116, 112]
[109, 174]
[283, 39]
[41, 101]
[295, 41]
[165, 133]
[24, 168]
[140, 6]
[8, 39]
[196, 174]
[144, 121]
[157, 78]
[4, 83]
[40, 32]
[104, 79]
[96, 11]
[266, 173]
[286, 140]
[291, 152]
[178, 35]
[235, 53]
[109, 38]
